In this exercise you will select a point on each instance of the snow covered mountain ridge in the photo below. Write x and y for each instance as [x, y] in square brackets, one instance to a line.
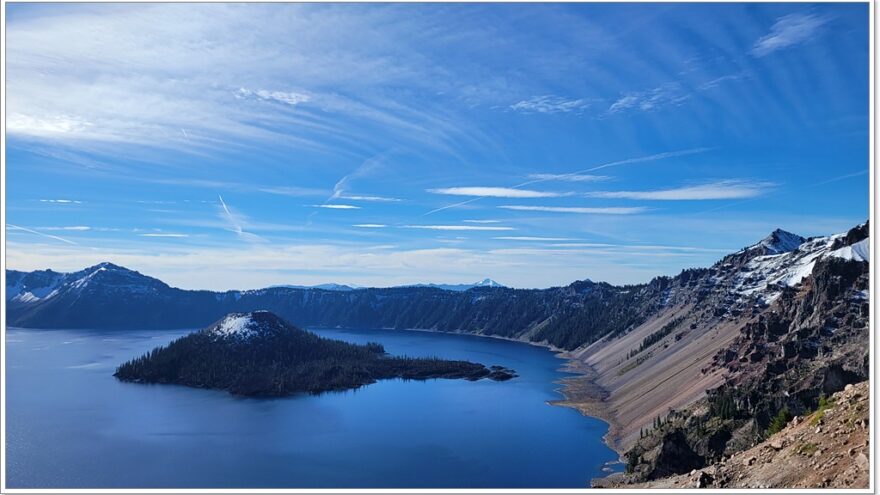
[32, 287]
[786, 260]
[781, 259]
[110, 296]
[779, 241]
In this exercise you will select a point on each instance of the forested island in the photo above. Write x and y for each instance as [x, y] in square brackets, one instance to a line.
[259, 354]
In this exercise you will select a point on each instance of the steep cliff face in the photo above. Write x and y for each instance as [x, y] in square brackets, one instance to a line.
[805, 337]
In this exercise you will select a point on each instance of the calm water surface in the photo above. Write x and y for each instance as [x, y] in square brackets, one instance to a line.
[71, 424]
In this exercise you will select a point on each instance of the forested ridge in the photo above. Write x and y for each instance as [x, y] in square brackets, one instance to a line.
[565, 317]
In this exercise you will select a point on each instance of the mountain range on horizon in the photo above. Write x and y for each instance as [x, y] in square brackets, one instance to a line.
[687, 370]
[486, 282]
[48, 299]
[44, 282]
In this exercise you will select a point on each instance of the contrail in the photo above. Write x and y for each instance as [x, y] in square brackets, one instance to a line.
[235, 226]
[658, 156]
[16, 227]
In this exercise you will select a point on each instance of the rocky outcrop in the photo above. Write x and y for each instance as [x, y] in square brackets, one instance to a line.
[827, 448]
[810, 342]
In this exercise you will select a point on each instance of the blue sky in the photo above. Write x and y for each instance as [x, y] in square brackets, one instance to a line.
[239, 146]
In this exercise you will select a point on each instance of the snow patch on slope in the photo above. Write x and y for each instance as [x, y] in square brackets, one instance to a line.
[860, 251]
[34, 294]
[84, 281]
[760, 275]
[239, 325]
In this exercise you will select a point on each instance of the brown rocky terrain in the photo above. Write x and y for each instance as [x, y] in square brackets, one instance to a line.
[765, 334]
[825, 449]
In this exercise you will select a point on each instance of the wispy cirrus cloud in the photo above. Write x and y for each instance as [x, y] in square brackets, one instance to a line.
[653, 99]
[727, 189]
[61, 201]
[533, 238]
[81, 228]
[551, 104]
[628, 161]
[290, 190]
[290, 83]
[333, 206]
[163, 234]
[788, 31]
[368, 167]
[290, 98]
[459, 227]
[497, 192]
[614, 210]
[381, 199]
[712, 83]
[569, 177]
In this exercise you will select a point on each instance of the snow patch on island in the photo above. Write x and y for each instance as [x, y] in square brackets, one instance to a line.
[239, 325]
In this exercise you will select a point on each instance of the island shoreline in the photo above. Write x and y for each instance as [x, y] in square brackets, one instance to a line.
[580, 392]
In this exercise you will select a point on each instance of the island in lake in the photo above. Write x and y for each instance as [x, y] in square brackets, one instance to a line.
[259, 354]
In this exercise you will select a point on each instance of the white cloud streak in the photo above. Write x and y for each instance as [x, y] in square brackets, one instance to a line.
[80, 228]
[728, 189]
[641, 159]
[535, 239]
[577, 209]
[458, 227]
[290, 98]
[661, 96]
[788, 31]
[381, 199]
[497, 192]
[61, 201]
[551, 104]
[336, 207]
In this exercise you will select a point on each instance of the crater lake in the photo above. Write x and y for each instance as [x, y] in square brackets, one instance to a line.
[71, 424]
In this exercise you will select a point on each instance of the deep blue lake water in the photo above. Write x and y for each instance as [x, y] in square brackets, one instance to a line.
[70, 424]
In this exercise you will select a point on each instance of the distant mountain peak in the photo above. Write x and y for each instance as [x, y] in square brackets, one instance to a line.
[486, 282]
[779, 241]
[106, 265]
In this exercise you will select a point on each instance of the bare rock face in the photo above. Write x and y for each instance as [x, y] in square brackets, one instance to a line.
[834, 454]
[674, 456]
[809, 342]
